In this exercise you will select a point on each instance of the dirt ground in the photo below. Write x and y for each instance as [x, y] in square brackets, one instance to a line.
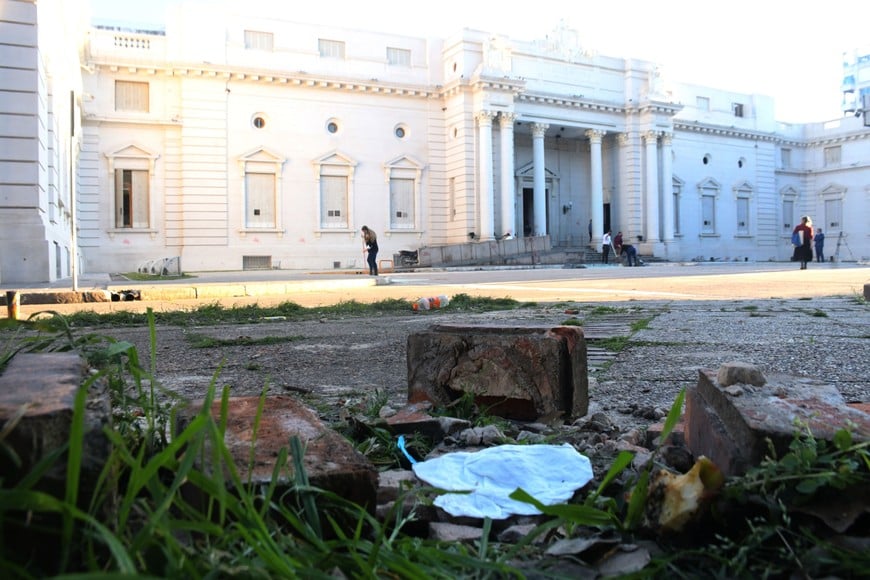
[336, 362]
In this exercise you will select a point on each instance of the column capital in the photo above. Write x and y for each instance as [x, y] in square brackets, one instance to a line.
[539, 129]
[507, 119]
[484, 117]
[595, 135]
[623, 139]
[650, 136]
[667, 139]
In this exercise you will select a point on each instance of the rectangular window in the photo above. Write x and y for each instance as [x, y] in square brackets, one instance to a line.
[833, 215]
[708, 214]
[676, 211]
[260, 200]
[398, 56]
[785, 157]
[401, 203]
[832, 155]
[330, 48]
[703, 103]
[742, 216]
[787, 216]
[131, 96]
[257, 40]
[737, 108]
[131, 198]
[333, 201]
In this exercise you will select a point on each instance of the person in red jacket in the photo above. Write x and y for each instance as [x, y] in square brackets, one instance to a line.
[804, 252]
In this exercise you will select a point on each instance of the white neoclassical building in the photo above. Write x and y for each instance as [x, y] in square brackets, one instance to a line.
[234, 142]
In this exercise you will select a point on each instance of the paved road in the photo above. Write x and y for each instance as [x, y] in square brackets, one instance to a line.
[659, 282]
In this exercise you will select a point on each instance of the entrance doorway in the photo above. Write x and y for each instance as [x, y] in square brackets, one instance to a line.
[607, 227]
[529, 211]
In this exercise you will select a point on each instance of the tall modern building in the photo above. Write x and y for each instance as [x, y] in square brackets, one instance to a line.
[231, 141]
[856, 82]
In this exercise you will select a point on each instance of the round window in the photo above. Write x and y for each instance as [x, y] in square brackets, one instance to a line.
[332, 127]
[259, 122]
[400, 132]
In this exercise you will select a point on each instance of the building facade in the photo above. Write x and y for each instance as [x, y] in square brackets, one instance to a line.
[261, 143]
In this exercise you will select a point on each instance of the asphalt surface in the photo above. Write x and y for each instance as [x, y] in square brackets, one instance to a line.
[666, 282]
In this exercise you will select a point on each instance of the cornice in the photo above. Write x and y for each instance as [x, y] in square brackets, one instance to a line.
[300, 79]
[721, 131]
[570, 102]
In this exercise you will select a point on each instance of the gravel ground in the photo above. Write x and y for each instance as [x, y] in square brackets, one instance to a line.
[338, 361]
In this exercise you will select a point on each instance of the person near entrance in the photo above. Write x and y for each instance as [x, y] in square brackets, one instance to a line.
[819, 243]
[605, 247]
[590, 231]
[370, 247]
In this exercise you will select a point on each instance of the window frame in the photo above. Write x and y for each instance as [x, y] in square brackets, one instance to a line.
[133, 158]
[399, 57]
[261, 161]
[708, 192]
[255, 38]
[743, 196]
[409, 169]
[124, 98]
[335, 164]
[330, 48]
[833, 156]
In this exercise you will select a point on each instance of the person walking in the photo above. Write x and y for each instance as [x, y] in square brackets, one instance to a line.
[819, 243]
[803, 252]
[370, 247]
[605, 247]
[590, 231]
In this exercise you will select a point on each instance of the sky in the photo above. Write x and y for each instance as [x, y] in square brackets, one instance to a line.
[790, 50]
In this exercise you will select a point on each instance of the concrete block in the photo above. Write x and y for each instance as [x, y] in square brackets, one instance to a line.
[37, 393]
[330, 461]
[866, 291]
[522, 373]
[731, 424]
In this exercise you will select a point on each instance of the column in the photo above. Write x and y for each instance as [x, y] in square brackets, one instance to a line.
[508, 197]
[651, 234]
[485, 199]
[667, 189]
[540, 185]
[595, 186]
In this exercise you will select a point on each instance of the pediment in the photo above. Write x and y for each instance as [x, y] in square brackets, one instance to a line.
[262, 155]
[788, 191]
[403, 162]
[133, 151]
[709, 183]
[528, 170]
[743, 186]
[677, 182]
[335, 158]
[833, 189]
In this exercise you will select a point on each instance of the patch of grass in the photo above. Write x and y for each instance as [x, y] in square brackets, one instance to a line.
[759, 315]
[816, 313]
[806, 298]
[642, 324]
[483, 304]
[613, 343]
[572, 322]
[858, 298]
[203, 341]
[748, 308]
[602, 310]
